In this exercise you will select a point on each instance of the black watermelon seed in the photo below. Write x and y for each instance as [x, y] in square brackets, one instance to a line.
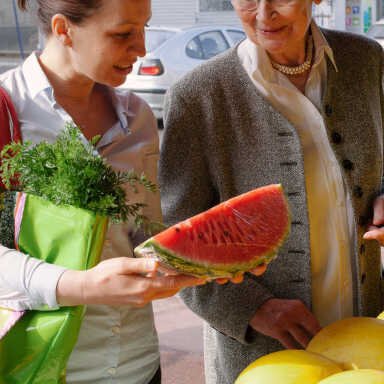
[177, 229]
[200, 235]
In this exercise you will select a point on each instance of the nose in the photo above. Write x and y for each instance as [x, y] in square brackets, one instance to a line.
[265, 10]
[139, 44]
[141, 47]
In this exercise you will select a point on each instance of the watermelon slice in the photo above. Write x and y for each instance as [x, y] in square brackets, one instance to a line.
[232, 237]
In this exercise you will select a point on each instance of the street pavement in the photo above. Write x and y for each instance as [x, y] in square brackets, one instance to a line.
[181, 342]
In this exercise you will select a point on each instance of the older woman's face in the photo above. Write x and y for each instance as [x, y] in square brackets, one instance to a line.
[277, 26]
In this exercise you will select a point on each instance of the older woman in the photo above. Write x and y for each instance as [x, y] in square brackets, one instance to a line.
[90, 49]
[291, 104]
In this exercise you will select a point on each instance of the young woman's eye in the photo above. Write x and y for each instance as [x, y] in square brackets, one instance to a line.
[123, 35]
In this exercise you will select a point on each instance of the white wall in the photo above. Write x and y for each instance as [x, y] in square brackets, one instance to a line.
[174, 12]
[186, 12]
[225, 17]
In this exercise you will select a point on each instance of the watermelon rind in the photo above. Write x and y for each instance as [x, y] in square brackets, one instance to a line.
[152, 249]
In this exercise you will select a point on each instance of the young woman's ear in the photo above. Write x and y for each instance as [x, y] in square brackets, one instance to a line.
[60, 29]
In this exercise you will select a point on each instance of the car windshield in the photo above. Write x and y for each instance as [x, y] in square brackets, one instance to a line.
[156, 37]
[376, 31]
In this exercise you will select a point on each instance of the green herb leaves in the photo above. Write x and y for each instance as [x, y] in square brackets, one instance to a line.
[70, 172]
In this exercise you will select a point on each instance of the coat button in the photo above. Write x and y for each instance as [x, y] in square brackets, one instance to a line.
[348, 165]
[363, 277]
[336, 137]
[328, 110]
[362, 248]
[358, 191]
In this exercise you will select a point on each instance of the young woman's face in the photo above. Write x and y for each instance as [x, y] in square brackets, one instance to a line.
[278, 26]
[106, 45]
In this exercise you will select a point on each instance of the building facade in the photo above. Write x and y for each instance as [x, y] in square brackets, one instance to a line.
[352, 15]
[11, 39]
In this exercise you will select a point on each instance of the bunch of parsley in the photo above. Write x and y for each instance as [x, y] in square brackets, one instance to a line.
[70, 172]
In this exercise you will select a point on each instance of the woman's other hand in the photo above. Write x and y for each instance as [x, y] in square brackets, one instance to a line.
[288, 321]
[120, 281]
[376, 229]
[258, 271]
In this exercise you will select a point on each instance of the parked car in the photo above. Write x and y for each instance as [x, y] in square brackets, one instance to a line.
[376, 31]
[172, 52]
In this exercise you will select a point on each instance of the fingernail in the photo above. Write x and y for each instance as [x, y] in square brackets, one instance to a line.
[152, 264]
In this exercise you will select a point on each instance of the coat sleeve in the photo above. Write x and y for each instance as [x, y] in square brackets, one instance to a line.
[187, 188]
[26, 282]
[382, 109]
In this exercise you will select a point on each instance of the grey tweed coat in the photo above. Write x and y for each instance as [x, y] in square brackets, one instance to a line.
[222, 138]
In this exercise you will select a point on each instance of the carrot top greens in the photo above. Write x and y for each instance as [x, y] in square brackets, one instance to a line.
[70, 172]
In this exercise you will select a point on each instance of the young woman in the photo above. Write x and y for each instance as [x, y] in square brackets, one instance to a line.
[91, 46]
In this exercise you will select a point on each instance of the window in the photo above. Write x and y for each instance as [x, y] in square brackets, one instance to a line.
[194, 50]
[156, 37]
[236, 36]
[323, 14]
[207, 45]
[13, 41]
[376, 31]
[9, 43]
[215, 5]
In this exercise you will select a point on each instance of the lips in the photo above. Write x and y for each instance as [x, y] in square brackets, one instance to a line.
[124, 69]
[270, 31]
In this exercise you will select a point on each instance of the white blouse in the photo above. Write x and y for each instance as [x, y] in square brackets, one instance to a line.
[116, 344]
[329, 206]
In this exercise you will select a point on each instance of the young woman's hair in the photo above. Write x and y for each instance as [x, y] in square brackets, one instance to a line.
[75, 10]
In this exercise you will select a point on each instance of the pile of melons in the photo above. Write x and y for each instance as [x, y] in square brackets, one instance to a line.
[349, 351]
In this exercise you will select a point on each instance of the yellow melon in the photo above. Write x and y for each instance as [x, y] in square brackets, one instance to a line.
[358, 376]
[355, 343]
[288, 367]
[381, 316]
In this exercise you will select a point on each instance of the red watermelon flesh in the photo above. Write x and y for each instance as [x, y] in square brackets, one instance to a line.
[232, 237]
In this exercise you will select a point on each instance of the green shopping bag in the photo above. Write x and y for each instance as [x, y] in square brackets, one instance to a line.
[36, 348]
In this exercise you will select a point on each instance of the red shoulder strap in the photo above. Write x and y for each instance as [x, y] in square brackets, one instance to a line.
[9, 123]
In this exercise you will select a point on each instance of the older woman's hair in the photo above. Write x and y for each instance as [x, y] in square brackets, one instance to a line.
[75, 10]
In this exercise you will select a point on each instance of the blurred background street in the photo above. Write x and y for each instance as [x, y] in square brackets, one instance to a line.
[181, 342]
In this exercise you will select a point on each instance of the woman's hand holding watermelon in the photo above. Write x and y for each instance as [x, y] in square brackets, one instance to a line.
[376, 229]
[288, 321]
[121, 281]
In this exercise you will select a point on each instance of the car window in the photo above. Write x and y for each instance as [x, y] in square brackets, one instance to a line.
[236, 36]
[194, 50]
[376, 32]
[154, 38]
[207, 45]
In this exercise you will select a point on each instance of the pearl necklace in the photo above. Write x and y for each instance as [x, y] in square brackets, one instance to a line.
[298, 70]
